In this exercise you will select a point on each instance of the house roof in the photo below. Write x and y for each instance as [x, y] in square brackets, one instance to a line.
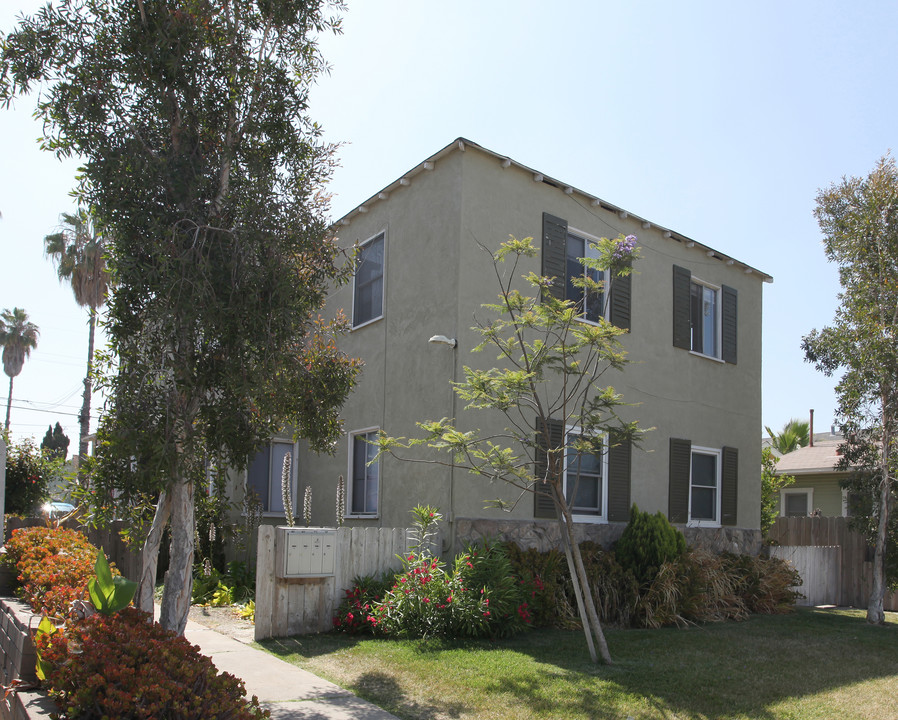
[821, 458]
[462, 145]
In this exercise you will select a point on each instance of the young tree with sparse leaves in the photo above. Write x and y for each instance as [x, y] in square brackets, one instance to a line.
[200, 162]
[859, 220]
[553, 368]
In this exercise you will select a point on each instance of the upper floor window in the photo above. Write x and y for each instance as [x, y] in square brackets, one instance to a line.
[561, 252]
[704, 316]
[704, 319]
[591, 304]
[364, 471]
[368, 285]
[584, 474]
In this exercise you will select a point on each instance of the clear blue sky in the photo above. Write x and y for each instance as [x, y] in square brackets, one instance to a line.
[718, 120]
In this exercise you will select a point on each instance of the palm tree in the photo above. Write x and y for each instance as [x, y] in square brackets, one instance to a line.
[18, 337]
[795, 434]
[78, 251]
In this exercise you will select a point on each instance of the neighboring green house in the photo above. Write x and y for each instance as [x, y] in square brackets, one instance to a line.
[693, 316]
[816, 490]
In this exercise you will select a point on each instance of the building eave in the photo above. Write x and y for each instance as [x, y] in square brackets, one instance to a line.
[462, 145]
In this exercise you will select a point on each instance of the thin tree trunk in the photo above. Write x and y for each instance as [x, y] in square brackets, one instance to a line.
[150, 554]
[9, 402]
[179, 578]
[84, 417]
[572, 569]
[591, 607]
[875, 613]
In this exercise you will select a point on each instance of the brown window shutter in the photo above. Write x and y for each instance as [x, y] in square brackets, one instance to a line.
[678, 492]
[621, 292]
[553, 252]
[728, 325]
[619, 470]
[682, 280]
[729, 490]
[543, 503]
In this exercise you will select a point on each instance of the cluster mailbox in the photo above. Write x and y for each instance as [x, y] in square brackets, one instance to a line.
[306, 552]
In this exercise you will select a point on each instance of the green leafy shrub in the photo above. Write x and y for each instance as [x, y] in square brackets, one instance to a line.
[212, 587]
[28, 475]
[543, 576]
[647, 543]
[356, 611]
[54, 566]
[130, 669]
[428, 601]
[614, 589]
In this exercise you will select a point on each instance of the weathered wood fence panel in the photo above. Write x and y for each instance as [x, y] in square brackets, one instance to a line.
[855, 579]
[298, 606]
[819, 568]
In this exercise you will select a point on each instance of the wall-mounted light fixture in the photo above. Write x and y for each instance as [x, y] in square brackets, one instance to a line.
[443, 340]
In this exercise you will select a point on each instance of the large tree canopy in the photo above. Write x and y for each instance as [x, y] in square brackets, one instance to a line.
[859, 220]
[200, 161]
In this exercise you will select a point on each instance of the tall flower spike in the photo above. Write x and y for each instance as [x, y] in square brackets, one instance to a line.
[307, 505]
[286, 490]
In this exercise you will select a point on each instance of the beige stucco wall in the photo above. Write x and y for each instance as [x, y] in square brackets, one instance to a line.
[436, 279]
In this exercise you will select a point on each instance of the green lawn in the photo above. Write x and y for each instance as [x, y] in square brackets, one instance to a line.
[811, 664]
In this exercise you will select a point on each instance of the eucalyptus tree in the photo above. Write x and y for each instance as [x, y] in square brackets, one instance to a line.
[78, 250]
[859, 220]
[200, 161]
[551, 377]
[18, 337]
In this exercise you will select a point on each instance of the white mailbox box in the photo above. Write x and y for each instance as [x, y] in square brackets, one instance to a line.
[305, 552]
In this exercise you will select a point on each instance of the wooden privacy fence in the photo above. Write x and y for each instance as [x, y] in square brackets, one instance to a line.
[295, 606]
[852, 584]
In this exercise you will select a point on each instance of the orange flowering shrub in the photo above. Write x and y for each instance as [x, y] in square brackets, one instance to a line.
[53, 565]
[131, 669]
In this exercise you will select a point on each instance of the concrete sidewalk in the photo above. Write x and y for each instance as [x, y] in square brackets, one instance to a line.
[286, 690]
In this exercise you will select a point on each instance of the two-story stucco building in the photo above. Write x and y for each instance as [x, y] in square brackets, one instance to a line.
[693, 316]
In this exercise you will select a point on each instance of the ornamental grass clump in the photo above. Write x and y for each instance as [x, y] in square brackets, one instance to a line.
[54, 566]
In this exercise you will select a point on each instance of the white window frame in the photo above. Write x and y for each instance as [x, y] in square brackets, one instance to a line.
[603, 516]
[591, 253]
[718, 455]
[809, 492]
[718, 320]
[382, 237]
[277, 477]
[349, 474]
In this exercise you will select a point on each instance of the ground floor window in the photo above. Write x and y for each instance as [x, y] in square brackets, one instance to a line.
[584, 475]
[264, 472]
[364, 472]
[704, 486]
[796, 502]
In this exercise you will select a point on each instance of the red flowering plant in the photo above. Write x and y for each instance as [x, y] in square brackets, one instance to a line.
[131, 669]
[361, 599]
[54, 566]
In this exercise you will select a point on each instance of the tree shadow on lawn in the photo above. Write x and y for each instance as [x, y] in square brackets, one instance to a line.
[720, 670]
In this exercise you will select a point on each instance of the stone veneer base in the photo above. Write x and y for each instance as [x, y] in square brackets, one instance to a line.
[545, 535]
